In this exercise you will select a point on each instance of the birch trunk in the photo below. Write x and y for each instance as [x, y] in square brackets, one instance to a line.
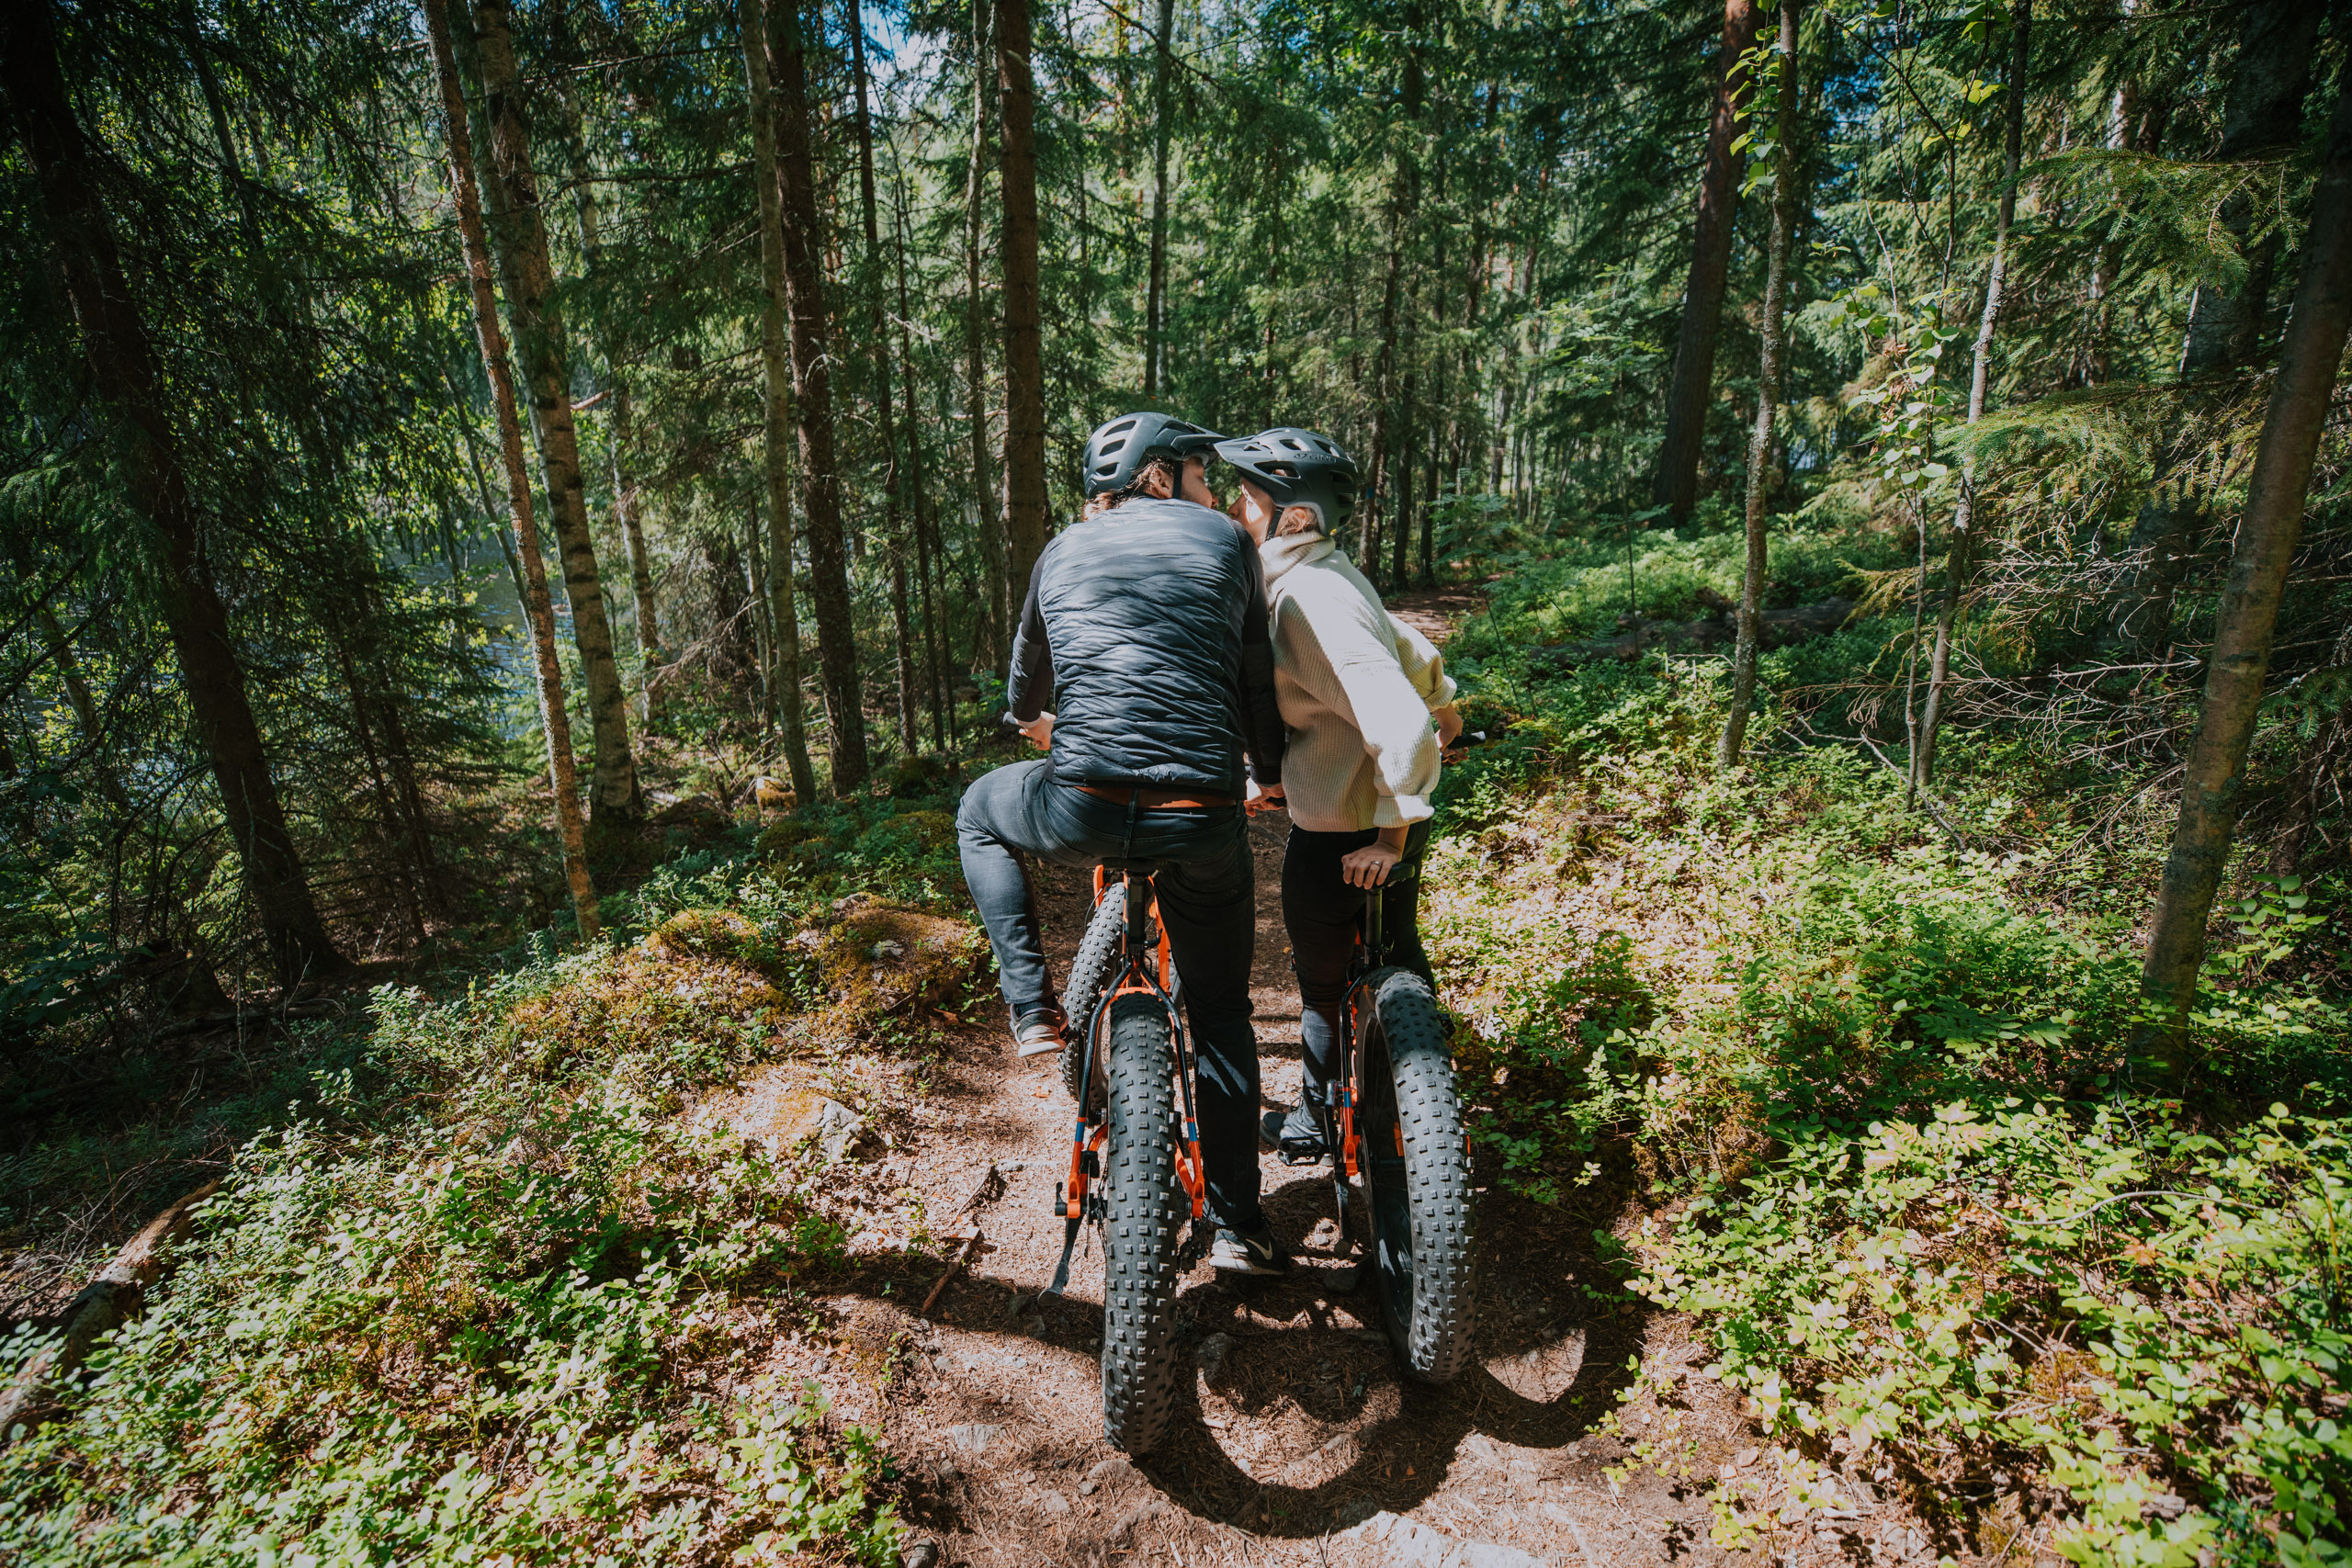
[538, 606]
[519, 242]
[1961, 555]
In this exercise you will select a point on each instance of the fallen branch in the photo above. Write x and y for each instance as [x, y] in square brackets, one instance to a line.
[104, 1305]
[954, 1266]
[1924, 798]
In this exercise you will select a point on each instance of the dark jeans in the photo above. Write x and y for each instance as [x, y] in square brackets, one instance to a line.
[1320, 913]
[1207, 898]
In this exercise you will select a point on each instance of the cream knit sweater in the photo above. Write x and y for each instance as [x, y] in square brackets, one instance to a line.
[1357, 687]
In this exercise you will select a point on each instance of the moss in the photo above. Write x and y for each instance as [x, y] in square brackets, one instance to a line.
[913, 777]
[719, 934]
[877, 960]
[785, 835]
[935, 831]
[691, 996]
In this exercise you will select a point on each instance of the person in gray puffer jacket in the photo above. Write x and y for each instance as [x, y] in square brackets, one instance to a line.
[1143, 667]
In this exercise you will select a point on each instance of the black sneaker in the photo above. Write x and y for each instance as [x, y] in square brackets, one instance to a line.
[1247, 1252]
[1296, 1134]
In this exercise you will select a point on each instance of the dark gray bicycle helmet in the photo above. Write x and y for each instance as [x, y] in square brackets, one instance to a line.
[1298, 468]
[1117, 451]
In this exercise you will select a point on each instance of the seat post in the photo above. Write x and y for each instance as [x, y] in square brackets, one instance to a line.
[1138, 886]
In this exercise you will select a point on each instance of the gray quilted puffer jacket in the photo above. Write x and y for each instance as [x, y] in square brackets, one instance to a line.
[1146, 633]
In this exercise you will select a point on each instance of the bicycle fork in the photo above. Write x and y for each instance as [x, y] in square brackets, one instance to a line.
[1075, 1198]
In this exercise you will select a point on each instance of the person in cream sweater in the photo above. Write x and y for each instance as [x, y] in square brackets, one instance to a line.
[1368, 708]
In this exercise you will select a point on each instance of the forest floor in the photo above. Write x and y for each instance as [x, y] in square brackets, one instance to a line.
[1295, 1440]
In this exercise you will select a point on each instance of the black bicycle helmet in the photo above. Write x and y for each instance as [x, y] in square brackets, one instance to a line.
[1116, 452]
[1298, 468]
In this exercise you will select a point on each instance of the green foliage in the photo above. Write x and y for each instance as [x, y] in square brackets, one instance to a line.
[1871, 1093]
[476, 1330]
[2099, 1291]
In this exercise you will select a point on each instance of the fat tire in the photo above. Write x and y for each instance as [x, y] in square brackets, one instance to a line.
[1090, 974]
[1143, 1210]
[1427, 1315]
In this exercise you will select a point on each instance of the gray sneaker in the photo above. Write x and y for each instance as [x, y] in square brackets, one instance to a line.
[1296, 1134]
[1249, 1252]
[1039, 1034]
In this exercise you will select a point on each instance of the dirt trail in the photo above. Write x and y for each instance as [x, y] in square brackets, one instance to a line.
[1293, 1424]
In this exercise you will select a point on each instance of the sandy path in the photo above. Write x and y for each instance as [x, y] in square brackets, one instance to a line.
[1294, 1424]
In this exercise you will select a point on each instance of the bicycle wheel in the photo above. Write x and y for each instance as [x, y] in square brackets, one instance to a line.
[1416, 1166]
[1144, 1206]
[1090, 972]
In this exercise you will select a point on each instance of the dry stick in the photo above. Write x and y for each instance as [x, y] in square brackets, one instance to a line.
[1963, 534]
[107, 1302]
[954, 1266]
[554, 720]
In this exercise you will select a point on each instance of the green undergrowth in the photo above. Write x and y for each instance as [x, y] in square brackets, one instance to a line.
[486, 1293]
[1859, 1099]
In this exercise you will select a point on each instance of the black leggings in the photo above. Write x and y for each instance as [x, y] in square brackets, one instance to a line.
[1319, 910]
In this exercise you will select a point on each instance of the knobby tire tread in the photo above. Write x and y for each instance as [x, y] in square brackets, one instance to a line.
[1436, 1342]
[1089, 972]
[1144, 1211]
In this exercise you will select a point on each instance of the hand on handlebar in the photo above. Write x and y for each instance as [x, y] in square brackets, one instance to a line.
[1369, 866]
[1264, 798]
[1039, 730]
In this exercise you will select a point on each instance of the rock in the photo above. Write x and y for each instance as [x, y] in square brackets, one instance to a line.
[1109, 1473]
[1053, 1502]
[1745, 1458]
[1408, 1543]
[973, 1437]
[1150, 1507]
[1213, 1353]
[839, 1129]
[918, 1554]
[1086, 1489]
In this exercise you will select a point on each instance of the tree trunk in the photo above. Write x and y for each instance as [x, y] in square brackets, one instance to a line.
[538, 607]
[774, 357]
[128, 379]
[909, 735]
[640, 564]
[1786, 176]
[926, 531]
[625, 496]
[997, 616]
[2267, 532]
[1961, 555]
[2262, 113]
[812, 399]
[1154, 302]
[520, 244]
[1024, 371]
[1702, 297]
